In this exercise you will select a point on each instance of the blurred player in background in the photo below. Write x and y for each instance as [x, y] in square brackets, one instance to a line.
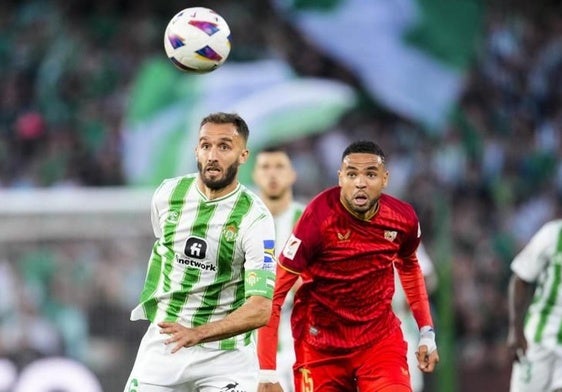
[210, 275]
[274, 176]
[535, 331]
[344, 247]
[408, 323]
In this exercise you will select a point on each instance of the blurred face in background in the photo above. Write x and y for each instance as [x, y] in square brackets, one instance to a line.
[274, 174]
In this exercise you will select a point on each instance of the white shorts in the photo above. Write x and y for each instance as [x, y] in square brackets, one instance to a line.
[197, 369]
[540, 370]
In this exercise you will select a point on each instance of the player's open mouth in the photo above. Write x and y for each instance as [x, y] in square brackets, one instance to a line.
[213, 170]
[360, 200]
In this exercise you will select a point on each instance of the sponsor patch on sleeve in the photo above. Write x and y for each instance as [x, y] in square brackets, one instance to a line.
[291, 247]
[269, 255]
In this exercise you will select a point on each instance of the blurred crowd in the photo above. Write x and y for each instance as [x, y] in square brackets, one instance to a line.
[71, 298]
[488, 180]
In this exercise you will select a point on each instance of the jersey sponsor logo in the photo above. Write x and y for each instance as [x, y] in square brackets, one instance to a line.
[291, 247]
[344, 236]
[390, 235]
[196, 264]
[195, 247]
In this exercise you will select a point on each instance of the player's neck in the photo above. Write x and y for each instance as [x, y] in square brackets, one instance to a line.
[212, 194]
[279, 205]
[367, 215]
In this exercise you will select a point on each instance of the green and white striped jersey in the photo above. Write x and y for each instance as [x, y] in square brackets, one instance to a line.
[540, 261]
[209, 256]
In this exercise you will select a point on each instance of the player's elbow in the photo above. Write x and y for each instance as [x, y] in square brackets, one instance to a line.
[262, 311]
[264, 316]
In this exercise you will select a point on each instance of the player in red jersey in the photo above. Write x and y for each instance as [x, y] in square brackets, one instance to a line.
[344, 247]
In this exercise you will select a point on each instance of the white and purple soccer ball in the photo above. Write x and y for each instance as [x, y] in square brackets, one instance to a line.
[197, 40]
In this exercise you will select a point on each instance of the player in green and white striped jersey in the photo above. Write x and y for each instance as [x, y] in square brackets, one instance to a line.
[211, 273]
[535, 331]
[274, 176]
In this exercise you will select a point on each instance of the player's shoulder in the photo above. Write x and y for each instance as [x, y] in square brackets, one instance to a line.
[256, 201]
[555, 225]
[167, 185]
[398, 206]
[551, 229]
[324, 198]
[321, 208]
[297, 206]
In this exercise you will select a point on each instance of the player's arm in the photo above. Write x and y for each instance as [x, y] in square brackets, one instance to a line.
[413, 283]
[268, 335]
[526, 268]
[253, 314]
[157, 196]
[519, 296]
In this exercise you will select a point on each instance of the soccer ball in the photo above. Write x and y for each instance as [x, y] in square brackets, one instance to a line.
[197, 40]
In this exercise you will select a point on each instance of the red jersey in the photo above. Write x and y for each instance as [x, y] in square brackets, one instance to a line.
[347, 268]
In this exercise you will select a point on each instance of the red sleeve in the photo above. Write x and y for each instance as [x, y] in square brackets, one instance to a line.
[413, 283]
[303, 242]
[267, 335]
[412, 279]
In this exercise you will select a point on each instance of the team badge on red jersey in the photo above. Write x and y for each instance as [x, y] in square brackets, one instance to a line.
[390, 235]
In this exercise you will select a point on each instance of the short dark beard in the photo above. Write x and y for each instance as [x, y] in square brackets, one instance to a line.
[275, 197]
[217, 185]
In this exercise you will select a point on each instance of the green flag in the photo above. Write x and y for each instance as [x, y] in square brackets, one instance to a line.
[166, 106]
[411, 55]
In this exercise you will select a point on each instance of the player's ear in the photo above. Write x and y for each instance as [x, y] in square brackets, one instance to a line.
[244, 155]
[386, 177]
[339, 177]
[294, 175]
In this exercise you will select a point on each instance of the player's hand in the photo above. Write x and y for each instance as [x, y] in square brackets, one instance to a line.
[516, 344]
[427, 361]
[180, 335]
[269, 387]
[427, 354]
[269, 381]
